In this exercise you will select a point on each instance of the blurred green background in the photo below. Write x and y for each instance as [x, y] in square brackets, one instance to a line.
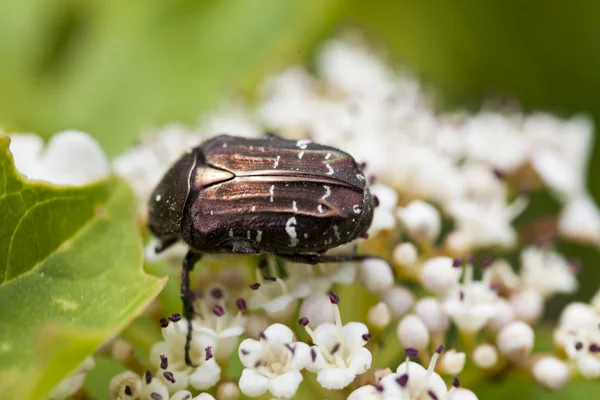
[116, 67]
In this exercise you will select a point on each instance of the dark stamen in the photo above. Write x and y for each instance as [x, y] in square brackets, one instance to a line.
[164, 322]
[366, 337]
[148, 377]
[155, 396]
[402, 380]
[411, 352]
[455, 381]
[218, 311]
[128, 390]
[375, 201]
[575, 265]
[379, 388]
[175, 317]
[365, 235]
[457, 262]
[499, 174]
[208, 353]
[244, 352]
[486, 262]
[333, 298]
[594, 348]
[303, 321]
[262, 264]
[254, 286]
[432, 395]
[471, 259]
[169, 376]
[164, 361]
[461, 295]
[440, 349]
[335, 348]
[313, 354]
[578, 346]
[258, 363]
[290, 348]
[262, 335]
[217, 293]
[241, 304]
[270, 278]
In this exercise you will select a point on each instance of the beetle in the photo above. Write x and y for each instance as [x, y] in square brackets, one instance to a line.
[294, 199]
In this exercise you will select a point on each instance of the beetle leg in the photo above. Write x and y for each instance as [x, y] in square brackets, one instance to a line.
[187, 298]
[321, 258]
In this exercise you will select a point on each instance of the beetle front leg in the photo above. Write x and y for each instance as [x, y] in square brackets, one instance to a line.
[322, 258]
[187, 298]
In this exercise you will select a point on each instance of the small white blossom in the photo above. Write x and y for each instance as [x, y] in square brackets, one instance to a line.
[431, 312]
[318, 309]
[405, 254]
[399, 299]
[579, 220]
[528, 305]
[383, 216]
[273, 363]
[412, 332]
[72, 383]
[485, 356]
[439, 276]
[339, 355]
[169, 356]
[69, 158]
[130, 386]
[228, 391]
[379, 316]
[546, 271]
[550, 372]
[421, 220]
[376, 275]
[462, 394]
[452, 362]
[505, 313]
[515, 341]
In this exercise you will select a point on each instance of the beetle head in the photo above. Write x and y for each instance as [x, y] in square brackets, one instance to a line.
[167, 202]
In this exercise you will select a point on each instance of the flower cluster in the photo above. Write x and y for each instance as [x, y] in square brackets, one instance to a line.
[449, 188]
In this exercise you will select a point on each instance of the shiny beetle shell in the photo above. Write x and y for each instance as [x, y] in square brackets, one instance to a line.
[238, 195]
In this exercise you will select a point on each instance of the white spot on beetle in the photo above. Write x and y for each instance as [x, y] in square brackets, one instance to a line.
[258, 236]
[251, 147]
[271, 192]
[356, 209]
[336, 232]
[253, 208]
[248, 235]
[300, 155]
[224, 145]
[294, 206]
[303, 144]
[276, 164]
[211, 212]
[327, 192]
[360, 177]
[327, 156]
[290, 228]
[320, 208]
[230, 232]
[305, 236]
[330, 170]
[157, 198]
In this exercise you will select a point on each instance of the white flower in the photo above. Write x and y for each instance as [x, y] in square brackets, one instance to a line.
[550, 372]
[452, 362]
[277, 296]
[399, 299]
[439, 276]
[70, 158]
[376, 275]
[383, 216]
[431, 312]
[462, 394]
[219, 323]
[318, 309]
[273, 363]
[379, 316]
[546, 271]
[412, 332]
[228, 391]
[579, 220]
[473, 303]
[528, 305]
[72, 383]
[405, 254]
[485, 356]
[338, 355]
[129, 386]
[505, 313]
[421, 220]
[168, 356]
[515, 340]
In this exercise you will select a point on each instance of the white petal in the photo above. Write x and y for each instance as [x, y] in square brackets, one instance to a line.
[345, 274]
[580, 220]
[336, 378]
[462, 394]
[367, 392]
[252, 383]
[278, 304]
[301, 357]
[278, 333]
[589, 366]
[319, 361]
[325, 336]
[182, 380]
[254, 352]
[285, 385]
[556, 172]
[206, 375]
[353, 334]
[361, 362]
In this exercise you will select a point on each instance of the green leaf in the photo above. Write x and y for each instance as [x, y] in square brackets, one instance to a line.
[70, 276]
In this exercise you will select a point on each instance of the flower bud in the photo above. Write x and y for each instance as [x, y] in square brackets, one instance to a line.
[485, 356]
[376, 275]
[228, 391]
[462, 394]
[399, 299]
[577, 316]
[595, 302]
[412, 332]
[580, 221]
[451, 363]
[504, 315]
[120, 382]
[458, 243]
[318, 309]
[405, 254]
[439, 276]
[550, 372]
[515, 341]
[255, 324]
[121, 350]
[379, 316]
[421, 220]
[430, 311]
[528, 305]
